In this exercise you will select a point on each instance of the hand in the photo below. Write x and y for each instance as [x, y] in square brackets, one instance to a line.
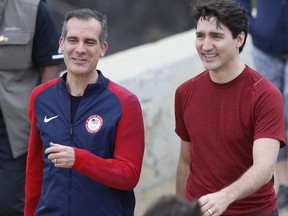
[214, 204]
[61, 156]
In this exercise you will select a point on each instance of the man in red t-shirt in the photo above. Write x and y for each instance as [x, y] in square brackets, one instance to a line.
[230, 121]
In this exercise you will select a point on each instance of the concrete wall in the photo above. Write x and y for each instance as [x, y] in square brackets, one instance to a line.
[153, 72]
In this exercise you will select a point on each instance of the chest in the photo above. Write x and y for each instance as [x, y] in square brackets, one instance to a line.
[225, 113]
[93, 127]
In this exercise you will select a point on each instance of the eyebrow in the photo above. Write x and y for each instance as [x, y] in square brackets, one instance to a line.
[91, 39]
[71, 37]
[216, 33]
[86, 39]
[209, 33]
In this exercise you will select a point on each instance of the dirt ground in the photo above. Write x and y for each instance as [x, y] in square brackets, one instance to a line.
[146, 198]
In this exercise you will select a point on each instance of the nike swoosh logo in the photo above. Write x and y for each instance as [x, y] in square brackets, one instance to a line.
[46, 120]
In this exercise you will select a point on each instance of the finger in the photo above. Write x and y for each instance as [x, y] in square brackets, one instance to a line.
[48, 150]
[203, 201]
[52, 156]
[57, 162]
[53, 144]
[53, 148]
[210, 212]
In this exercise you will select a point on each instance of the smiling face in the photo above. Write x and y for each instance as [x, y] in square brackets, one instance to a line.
[218, 50]
[81, 47]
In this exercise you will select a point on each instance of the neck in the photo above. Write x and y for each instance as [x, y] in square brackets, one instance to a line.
[225, 75]
[76, 85]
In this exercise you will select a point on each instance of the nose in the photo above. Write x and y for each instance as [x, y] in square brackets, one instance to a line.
[207, 44]
[80, 48]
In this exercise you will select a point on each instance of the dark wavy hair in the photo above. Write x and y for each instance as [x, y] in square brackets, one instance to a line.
[227, 12]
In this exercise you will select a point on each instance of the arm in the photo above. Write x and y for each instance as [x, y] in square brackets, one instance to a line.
[49, 72]
[265, 151]
[123, 170]
[46, 44]
[34, 165]
[183, 169]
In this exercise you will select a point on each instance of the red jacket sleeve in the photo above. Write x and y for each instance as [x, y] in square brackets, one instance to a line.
[123, 171]
[34, 167]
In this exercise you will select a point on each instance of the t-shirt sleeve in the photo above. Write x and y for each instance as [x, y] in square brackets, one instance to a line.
[46, 38]
[269, 116]
[180, 127]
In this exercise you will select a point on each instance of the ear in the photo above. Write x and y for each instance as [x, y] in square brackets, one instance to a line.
[61, 44]
[240, 39]
[104, 48]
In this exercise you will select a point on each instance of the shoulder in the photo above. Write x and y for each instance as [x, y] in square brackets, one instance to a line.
[36, 92]
[128, 101]
[192, 83]
[122, 93]
[43, 10]
[260, 83]
[45, 20]
[263, 91]
[42, 87]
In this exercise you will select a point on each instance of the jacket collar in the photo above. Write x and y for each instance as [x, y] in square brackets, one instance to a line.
[92, 88]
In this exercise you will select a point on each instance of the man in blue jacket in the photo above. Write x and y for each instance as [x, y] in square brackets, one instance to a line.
[87, 132]
[269, 31]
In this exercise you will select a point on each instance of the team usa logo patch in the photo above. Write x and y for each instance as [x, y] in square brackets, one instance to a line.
[93, 123]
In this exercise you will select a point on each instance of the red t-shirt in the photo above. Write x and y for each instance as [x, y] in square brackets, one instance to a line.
[222, 121]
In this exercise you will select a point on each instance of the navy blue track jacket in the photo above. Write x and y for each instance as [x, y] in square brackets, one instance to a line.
[107, 134]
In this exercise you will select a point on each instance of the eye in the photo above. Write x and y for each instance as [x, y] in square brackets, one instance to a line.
[199, 36]
[91, 42]
[71, 40]
[217, 36]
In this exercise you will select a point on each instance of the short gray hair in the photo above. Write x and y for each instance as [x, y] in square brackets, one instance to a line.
[86, 14]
